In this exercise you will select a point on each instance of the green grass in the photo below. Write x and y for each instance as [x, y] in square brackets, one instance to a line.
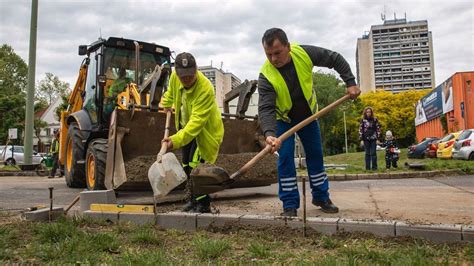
[145, 235]
[356, 163]
[75, 241]
[10, 168]
[208, 248]
[257, 250]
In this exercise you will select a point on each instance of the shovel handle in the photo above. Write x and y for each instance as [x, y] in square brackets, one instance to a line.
[167, 133]
[287, 134]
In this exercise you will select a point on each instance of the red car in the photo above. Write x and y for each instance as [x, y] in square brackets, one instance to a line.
[431, 149]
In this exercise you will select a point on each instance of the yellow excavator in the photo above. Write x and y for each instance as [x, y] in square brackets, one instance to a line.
[112, 129]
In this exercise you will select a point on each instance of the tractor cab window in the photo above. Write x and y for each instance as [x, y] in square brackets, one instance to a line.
[90, 90]
[120, 63]
[120, 67]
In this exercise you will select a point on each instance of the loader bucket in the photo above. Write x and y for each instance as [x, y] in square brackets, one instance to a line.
[134, 141]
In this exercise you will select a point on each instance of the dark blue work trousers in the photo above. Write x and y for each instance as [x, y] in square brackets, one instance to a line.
[288, 188]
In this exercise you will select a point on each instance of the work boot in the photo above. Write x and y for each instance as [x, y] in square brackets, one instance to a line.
[289, 212]
[203, 204]
[190, 206]
[326, 206]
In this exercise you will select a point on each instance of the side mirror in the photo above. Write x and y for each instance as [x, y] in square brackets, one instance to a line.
[82, 49]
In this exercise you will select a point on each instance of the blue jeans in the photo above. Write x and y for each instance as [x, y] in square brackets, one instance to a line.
[370, 147]
[288, 188]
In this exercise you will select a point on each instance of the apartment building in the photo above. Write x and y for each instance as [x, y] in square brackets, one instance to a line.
[396, 56]
[223, 82]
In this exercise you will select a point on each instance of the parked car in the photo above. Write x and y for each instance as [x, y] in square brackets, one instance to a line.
[464, 146]
[418, 150]
[445, 145]
[13, 155]
[431, 149]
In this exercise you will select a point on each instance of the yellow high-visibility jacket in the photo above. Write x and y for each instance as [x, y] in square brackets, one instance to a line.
[203, 119]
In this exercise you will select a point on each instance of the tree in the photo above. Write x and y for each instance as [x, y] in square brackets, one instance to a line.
[50, 88]
[395, 112]
[62, 106]
[13, 72]
[38, 126]
[328, 89]
[12, 115]
[13, 79]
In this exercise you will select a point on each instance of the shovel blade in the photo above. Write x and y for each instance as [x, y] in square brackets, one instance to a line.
[165, 175]
[209, 179]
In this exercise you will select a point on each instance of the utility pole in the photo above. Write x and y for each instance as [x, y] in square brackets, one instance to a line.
[28, 141]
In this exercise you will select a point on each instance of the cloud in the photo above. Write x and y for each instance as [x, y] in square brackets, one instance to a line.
[227, 31]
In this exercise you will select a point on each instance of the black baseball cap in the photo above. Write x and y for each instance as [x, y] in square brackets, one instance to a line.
[185, 64]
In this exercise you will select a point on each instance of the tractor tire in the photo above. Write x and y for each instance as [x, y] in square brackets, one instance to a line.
[74, 159]
[471, 156]
[95, 164]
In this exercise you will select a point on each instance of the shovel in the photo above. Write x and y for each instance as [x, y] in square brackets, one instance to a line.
[166, 173]
[207, 180]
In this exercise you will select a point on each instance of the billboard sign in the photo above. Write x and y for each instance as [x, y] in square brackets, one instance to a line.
[436, 103]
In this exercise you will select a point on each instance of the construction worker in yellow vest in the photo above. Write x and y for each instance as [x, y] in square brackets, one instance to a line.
[54, 151]
[287, 97]
[198, 121]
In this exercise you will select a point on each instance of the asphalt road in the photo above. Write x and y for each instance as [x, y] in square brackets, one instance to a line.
[448, 200]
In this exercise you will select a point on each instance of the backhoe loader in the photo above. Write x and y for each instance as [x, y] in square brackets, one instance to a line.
[112, 129]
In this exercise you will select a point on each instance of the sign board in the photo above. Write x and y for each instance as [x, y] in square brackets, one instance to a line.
[436, 103]
[13, 133]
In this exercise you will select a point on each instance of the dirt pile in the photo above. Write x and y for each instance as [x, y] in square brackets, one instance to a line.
[263, 173]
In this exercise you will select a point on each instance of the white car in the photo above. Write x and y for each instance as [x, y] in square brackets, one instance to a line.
[14, 155]
[464, 145]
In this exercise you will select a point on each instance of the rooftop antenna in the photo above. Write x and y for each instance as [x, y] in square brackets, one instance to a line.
[100, 33]
[394, 16]
[405, 15]
[382, 16]
[211, 63]
[222, 63]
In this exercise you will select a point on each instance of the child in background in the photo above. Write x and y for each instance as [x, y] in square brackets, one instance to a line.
[391, 150]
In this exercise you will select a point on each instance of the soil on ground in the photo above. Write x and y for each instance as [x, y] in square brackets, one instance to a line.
[263, 173]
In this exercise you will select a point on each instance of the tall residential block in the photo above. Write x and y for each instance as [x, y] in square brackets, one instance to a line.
[396, 56]
[223, 82]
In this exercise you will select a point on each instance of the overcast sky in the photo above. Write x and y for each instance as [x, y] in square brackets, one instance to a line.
[228, 31]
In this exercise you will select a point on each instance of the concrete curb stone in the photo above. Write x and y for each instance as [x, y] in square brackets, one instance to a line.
[193, 221]
[367, 176]
[177, 220]
[435, 233]
[468, 233]
[351, 177]
[108, 216]
[380, 228]
[259, 220]
[137, 218]
[206, 220]
[339, 177]
[326, 226]
[96, 196]
[43, 214]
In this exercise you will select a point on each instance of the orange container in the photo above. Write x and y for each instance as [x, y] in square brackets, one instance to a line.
[461, 117]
